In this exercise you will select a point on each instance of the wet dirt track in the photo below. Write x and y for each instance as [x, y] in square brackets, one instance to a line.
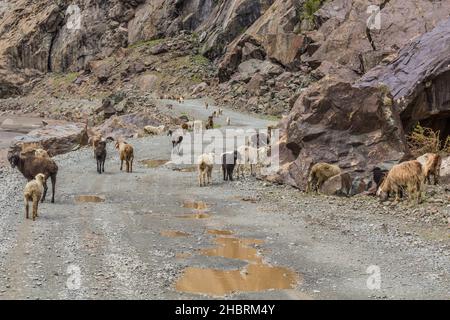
[149, 234]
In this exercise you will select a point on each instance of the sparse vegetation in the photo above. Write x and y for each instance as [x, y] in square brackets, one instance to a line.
[310, 7]
[146, 43]
[424, 140]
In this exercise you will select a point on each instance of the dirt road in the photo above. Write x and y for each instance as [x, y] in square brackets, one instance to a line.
[154, 234]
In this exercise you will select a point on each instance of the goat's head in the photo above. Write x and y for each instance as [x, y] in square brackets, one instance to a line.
[13, 159]
[382, 191]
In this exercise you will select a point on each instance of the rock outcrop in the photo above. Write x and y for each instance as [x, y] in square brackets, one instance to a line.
[56, 139]
[362, 124]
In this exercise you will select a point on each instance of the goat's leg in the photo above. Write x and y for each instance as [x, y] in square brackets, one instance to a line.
[27, 208]
[121, 164]
[53, 178]
[131, 165]
[230, 173]
[45, 191]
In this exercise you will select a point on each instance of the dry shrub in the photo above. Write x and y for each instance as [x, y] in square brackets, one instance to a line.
[423, 140]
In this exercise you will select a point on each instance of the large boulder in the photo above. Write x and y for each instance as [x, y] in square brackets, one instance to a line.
[361, 125]
[56, 139]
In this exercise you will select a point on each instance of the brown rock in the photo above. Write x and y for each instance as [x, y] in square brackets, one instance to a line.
[56, 139]
[338, 185]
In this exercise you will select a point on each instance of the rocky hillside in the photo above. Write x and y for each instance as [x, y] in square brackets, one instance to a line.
[350, 82]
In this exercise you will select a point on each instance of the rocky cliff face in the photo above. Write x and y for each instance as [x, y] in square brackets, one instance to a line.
[349, 77]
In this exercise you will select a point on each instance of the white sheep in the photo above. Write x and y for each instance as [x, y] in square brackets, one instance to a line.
[155, 130]
[33, 192]
[205, 167]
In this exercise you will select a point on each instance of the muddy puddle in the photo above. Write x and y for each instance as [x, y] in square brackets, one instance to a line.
[220, 232]
[89, 199]
[153, 163]
[195, 205]
[174, 234]
[255, 276]
[194, 216]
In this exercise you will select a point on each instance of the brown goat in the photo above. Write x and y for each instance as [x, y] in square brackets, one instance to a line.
[321, 172]
[407, 175]
[432, 167]
[126, 153]
[31, 166]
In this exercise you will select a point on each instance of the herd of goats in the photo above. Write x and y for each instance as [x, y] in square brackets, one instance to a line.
[37, 166]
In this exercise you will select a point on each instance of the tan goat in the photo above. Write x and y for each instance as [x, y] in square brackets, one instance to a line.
[407, 175]
[126, 154]
[432, 167]
[321, 172]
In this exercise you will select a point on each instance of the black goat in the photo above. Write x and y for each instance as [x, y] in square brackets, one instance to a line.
[228, 163]
[100, 156]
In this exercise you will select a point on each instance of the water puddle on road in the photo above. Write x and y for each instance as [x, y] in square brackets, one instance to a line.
[255, 276]
[89, 199]
[153, 163]
[174, 233]
[194, 216]
[196, 205]
[220, 232]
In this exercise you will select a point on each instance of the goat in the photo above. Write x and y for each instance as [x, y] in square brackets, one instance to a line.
[210, 123]
[379, 175]
[229, 160]
[31, 166]
[321, 172]
[155, 130]
[126, 153]
[100, 155]
[432, 167]
[407, 174]
[33, 192]
[205, 166]
[198, 126]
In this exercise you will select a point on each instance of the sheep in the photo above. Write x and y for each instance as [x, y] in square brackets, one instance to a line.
[210, 123]
[30, 166]
[33, 192]
[155, 130]
[254, 157]
[205, 166]
[198, 126]
[126, 153]
[321, 172]
[407, 174]
[247, 156]
[100, 154]
[228, 121]
[432, 167]
[229, 160]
